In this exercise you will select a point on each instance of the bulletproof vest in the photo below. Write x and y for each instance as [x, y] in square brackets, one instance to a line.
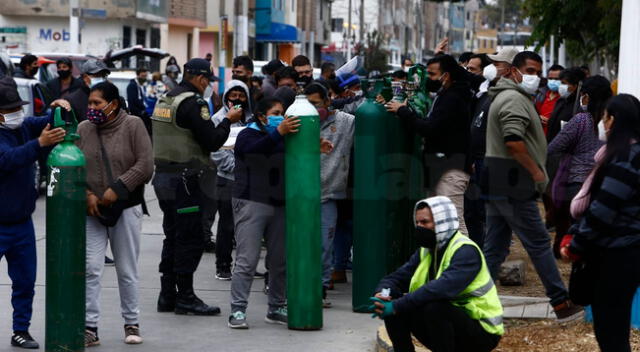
[172, 143]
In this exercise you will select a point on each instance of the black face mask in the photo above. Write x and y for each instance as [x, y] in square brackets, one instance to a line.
[433, 85]
[304, 81]
[240, 78]
[425, 237]
[238, 102]
[64, 73]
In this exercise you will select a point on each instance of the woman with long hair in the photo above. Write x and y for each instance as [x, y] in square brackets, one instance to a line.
[609, 229]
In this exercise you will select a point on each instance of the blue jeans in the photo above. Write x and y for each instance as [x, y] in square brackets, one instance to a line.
[329, 215]
[18, 245]
[505, 215]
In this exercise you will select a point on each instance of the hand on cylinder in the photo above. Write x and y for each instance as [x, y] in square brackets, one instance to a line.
[290, 124]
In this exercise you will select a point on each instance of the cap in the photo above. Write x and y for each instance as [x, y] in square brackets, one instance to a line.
[504, 55]
[347, 80]
[200, 66]
[9, 97]
[272, 66]
[93, 67]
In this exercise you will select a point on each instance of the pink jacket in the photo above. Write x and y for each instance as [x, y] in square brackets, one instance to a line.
[581, 201]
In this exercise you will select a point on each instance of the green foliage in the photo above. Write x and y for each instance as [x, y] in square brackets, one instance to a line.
[590, 28]
[375, 58]
[512, 12]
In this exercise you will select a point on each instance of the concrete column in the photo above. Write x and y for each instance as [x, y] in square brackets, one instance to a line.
[629, 71]
[74, 26]
[164, 40]
[562, 57]
[195, 43]
[544, 61]
[312, 43]
[552, 50]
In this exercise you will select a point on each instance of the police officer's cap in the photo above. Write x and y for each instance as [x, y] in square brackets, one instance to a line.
[9, 97]
[200, 66]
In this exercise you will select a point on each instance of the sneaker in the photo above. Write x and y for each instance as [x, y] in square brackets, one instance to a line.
[132, 335]
[238, 320]
[568, 311]
[108, 261]
[223, 275]
[91, 338]
[278, 316]
[23, 339]
[325, 302]
[259, 275]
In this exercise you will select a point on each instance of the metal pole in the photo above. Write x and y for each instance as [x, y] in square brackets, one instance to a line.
[222, 47]
[349, 34]
[362, 21]
[74, 26]
[562, 58]
[552, 50]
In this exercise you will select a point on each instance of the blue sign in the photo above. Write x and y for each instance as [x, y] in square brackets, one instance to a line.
[49, 34]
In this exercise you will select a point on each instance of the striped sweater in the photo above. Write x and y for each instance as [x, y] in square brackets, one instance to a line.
[613, 217]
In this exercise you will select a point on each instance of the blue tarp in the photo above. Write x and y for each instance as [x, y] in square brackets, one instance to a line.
[280, 33]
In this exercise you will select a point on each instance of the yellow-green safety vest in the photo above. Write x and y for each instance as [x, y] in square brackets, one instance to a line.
[479, 300]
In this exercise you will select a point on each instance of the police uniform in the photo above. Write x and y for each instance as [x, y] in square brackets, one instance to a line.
[184, 137]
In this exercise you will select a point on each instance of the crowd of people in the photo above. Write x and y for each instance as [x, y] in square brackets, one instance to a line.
[496, 138]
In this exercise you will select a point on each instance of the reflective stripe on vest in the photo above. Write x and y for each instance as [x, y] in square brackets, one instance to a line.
[479, 300]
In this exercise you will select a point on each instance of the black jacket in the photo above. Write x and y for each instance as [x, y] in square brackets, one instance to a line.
[479, 127]
[191, 115]
[55, 88]
[563, 111]
[135, 102]
[79, 100]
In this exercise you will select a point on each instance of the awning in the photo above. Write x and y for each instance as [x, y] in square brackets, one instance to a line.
[280, 33]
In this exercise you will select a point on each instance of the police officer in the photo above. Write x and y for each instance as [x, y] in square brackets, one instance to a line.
[184, 137]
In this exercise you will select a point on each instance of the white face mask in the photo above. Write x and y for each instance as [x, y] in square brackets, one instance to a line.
[13, 120]
[96, 80]
[529, 83]
[602, 131]
[583, 107]
[490, 72]
[563, 90]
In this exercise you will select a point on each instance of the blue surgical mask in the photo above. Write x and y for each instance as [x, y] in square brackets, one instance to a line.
[274, 122]
[553, 84]
[96, 80]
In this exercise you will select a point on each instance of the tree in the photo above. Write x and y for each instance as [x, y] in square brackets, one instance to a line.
[512, 12]
[375, 58]
[590, 28]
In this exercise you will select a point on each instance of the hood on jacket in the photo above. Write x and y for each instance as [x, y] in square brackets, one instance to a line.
[445, 217]
[507, 84]
[248, 112]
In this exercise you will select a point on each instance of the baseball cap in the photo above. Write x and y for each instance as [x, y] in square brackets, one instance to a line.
[198, 66]
[93, 67]
[347, 80]
[504, 55]
[9, 97]
[272, 66]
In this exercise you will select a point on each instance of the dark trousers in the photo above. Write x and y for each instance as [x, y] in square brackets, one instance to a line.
[474, 207]
[18, 245]
[441, 327]
[616, 285]
[225, 235]
[343, 239]
[181, 201]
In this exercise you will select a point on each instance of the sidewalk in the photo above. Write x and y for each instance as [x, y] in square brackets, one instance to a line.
[343, 330]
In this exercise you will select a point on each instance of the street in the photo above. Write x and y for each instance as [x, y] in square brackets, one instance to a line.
[343, 330]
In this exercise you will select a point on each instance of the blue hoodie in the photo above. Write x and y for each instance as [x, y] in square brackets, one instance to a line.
[19, 151]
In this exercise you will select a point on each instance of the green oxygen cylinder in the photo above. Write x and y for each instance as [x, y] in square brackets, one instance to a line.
[304, 240]
[66, 241]
[370, 205]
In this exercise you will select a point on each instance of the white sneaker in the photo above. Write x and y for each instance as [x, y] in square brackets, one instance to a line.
[132, 335]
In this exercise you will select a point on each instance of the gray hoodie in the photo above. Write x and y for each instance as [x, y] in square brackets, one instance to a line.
[224, 158]
[334, 167]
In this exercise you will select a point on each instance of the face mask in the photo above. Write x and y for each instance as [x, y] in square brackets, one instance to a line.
[13, 120]
[64, 73]
[425, 237]
[583, 107]
[434, 85]
[240, 78]
[34, 71]
[406, 69]
[553, 85]
[273, 122]
[96, 80]
[238, 102]
[490, 72]
[529, 83]
[602, 131]
[98, 116]
[563, 89]
[324, 113]
[305, 81]
[142, 81]
[358, 93]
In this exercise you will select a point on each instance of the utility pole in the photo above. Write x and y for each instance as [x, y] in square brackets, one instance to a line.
[349, 34]
[222, 45]
[361, 21]
[74, 26]
[500, 43]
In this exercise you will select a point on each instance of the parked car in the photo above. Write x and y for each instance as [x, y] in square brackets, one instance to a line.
[35, 93]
